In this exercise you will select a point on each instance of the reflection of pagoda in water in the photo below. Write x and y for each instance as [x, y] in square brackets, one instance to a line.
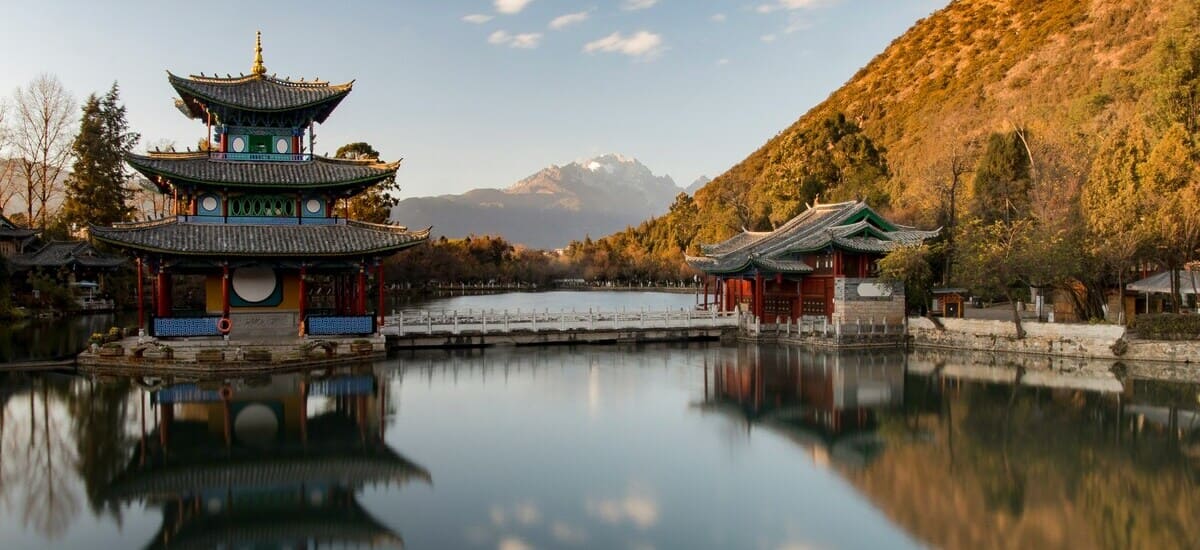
[275, 462]
[826, 401]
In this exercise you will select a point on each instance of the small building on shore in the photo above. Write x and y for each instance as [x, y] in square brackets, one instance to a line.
[255, 236]
[822, 264]
[13, 239]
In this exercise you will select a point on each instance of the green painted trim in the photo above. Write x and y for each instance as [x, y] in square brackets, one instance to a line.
[875, 218]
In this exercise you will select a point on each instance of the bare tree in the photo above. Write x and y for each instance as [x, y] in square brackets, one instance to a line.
[9, 186]
[147, 201]
[44, 112]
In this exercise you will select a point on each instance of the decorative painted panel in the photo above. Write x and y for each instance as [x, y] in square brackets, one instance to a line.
[345, 325]
[262, 205]
[178, 327]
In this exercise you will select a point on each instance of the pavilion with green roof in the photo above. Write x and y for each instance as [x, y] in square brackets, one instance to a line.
[823, 263]
[255, 217]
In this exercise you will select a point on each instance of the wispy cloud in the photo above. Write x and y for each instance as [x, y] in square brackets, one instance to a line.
[511, 6]
[634, 5]
[723, 61]
[564, 21]
[525, 41]
[641, 44]
[789, 5]
[796, 22]
[477, 18]
[718, 17]
[768, 38]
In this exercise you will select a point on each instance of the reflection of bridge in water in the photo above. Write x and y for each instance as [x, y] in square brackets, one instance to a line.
[276, 461]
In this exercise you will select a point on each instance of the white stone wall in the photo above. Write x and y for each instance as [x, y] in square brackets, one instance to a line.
[861, 301]
[1071, 340]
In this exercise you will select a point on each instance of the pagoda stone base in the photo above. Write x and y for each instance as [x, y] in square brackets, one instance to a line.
[264, 325]
[214, 354]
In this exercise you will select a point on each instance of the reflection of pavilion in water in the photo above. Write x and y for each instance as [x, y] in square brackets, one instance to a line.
[275, 462]
[827, 401]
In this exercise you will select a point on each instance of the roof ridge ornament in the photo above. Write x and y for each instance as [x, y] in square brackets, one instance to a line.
[258, 68]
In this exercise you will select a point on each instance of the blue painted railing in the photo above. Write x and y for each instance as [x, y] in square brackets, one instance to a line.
[179, 327]
[340, 325]
[260, 220]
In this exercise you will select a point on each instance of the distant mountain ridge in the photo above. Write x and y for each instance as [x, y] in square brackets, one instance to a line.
[551, 207]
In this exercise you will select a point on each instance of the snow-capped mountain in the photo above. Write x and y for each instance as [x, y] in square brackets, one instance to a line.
[595, 196]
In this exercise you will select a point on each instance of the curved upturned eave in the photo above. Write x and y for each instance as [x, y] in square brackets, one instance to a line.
[108, 235]
[180, 84]
[387, 170]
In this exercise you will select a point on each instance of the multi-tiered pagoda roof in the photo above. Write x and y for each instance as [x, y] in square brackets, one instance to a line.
[185, 236]
[201, 95]
[214, 170]
[261, 217]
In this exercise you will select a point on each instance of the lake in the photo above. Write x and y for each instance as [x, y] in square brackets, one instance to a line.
[654, 446]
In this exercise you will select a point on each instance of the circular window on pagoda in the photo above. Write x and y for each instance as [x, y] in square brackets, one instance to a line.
[281, 146]
[254, 284]
[208, 204]
[239, 144]
[313, 206]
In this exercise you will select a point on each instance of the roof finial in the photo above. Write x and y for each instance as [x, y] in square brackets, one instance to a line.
[258, 68]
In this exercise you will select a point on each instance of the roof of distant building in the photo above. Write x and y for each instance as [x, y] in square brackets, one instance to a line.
[66, 253]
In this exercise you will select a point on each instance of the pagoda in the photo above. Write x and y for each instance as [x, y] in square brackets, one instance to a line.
[255, 236]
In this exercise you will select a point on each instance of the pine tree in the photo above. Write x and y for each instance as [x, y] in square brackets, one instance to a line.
[96, 190]
[1002, 180]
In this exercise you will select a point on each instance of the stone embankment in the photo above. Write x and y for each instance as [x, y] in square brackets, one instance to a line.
[1054, 339]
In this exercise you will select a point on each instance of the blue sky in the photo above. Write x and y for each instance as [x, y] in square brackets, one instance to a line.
[480, 93]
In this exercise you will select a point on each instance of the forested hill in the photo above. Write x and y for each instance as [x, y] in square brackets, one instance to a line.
[1066, 73]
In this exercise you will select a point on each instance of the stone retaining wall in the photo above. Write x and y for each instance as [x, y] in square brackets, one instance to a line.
[1068, 340]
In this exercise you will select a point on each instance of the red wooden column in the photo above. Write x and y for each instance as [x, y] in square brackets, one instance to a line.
[225, 291]
[360, 306]
[706, 292]
[303, 302]
[162, 300]
[141, 301]
[382, 297]
[758, 295]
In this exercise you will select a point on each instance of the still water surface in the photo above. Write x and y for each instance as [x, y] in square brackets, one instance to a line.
[659, 446]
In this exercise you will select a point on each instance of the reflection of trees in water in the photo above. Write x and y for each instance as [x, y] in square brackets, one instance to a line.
[37, 457]
[984, 465]
[100, 414]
